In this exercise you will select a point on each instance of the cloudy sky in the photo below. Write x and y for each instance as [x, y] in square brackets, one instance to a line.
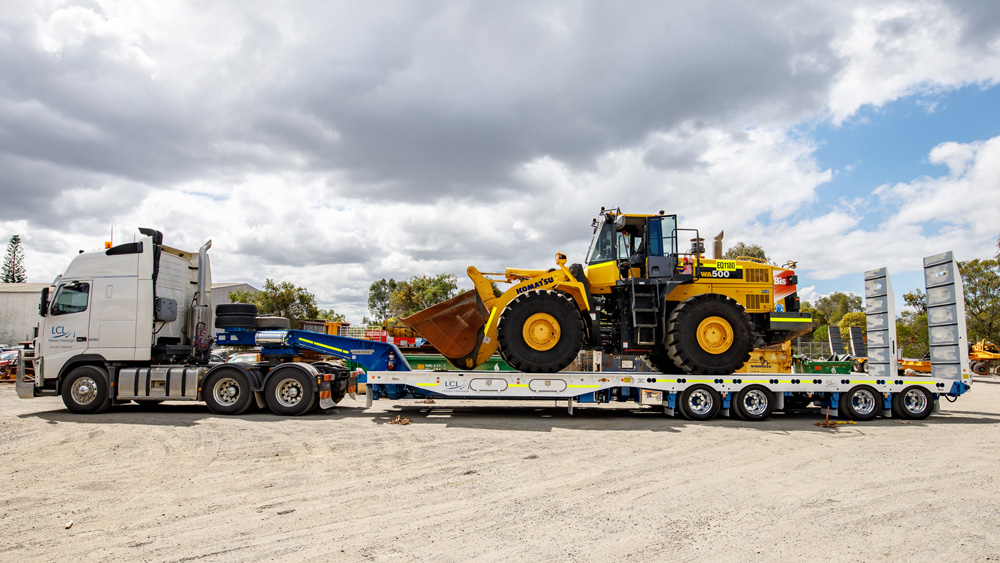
[332, 144]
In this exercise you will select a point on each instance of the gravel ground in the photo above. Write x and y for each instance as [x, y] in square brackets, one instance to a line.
[496, 482]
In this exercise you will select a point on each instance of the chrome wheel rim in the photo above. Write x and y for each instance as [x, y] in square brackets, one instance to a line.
[755, 402]
[226, 391]
[289, 392]
[863, 402]
[914, 401]
[84, 390]
[700, 402]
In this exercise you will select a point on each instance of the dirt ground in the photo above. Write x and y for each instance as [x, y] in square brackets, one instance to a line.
[484, 482]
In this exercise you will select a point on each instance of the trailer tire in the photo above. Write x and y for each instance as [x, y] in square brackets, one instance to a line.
[236, 309]
[227, 391]
[709, 335]
[913, 403]
[981, 368]
[861, 402]
[273, 323]
[754, 403]
[236, 321]
[700, 402]
[540, 331]
[290, 393]
[85, 390]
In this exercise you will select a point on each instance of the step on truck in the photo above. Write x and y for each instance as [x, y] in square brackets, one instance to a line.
[134, 323]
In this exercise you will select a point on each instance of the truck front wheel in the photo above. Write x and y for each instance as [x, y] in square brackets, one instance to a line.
[227, 391]
[85, 390]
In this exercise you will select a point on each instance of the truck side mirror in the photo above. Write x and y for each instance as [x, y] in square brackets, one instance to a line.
[43, 307]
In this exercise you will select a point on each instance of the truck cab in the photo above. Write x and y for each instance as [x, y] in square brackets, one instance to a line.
[132, 304]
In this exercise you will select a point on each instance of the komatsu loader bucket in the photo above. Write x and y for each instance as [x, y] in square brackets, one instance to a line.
[455, 327]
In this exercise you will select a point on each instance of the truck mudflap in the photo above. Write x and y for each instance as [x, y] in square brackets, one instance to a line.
[25, 389]
[333, 387]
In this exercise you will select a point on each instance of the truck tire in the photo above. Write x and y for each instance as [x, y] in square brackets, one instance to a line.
[861, 403]
[709, 335]
[235, 309]
[913, 403]
[754, 403]
[273, 323]
[236, 321]
[290, 393]
[85, 390]
[700, 402]
[540, 331]
[227, 391]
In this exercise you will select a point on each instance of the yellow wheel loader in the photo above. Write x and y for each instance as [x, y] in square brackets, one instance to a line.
[638, 294]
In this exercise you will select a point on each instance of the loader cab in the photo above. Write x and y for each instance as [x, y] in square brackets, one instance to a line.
[631, 246]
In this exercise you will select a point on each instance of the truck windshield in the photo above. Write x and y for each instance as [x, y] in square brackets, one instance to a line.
[602, 249]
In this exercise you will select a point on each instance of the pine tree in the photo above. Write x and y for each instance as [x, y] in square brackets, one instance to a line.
[13, 263]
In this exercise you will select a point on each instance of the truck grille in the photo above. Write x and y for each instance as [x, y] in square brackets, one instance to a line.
[756, 301]
[757, 275]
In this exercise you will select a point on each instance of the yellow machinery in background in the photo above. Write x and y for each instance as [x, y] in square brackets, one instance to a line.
[638, 294]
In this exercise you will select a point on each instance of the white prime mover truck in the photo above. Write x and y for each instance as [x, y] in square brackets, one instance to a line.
[134, 323]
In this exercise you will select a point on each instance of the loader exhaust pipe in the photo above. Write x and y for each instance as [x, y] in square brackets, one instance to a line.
[717, 245]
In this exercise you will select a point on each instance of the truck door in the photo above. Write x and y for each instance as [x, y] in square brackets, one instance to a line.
[67, 326]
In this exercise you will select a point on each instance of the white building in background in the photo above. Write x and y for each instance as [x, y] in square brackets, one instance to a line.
[19, 307]
[19, 311]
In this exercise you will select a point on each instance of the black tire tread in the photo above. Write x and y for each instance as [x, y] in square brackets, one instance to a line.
[511, 344]
[235, 309]
[684, 321]
[236, 321]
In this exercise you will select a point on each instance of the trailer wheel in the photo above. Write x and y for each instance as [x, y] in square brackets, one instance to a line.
[709, 335]
[85, 390]
[227, 391]
[290, 393]
[755, 403]
[860, 403]
[540, 331]
[700, 402]
[913, 402]
[980, 368]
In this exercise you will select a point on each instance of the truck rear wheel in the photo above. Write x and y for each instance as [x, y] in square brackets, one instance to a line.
[860, 403]
[540, 331]
[290, 393]
[700, 402]
[85, 390]
[709, 335]
[227, 391]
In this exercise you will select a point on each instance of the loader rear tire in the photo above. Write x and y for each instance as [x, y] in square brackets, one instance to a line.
[540, 331]
[661, 362]
[709, 335]
[980, 368]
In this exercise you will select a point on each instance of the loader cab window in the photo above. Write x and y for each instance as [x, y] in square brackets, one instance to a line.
[71, 298]
[662, 236]
[602, 249]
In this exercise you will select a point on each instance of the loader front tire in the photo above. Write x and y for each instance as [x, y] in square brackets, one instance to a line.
[540, 331]
[709, 335]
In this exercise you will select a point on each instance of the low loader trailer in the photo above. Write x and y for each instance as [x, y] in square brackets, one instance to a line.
[131, 323]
